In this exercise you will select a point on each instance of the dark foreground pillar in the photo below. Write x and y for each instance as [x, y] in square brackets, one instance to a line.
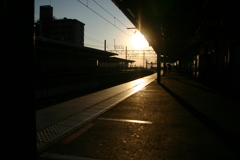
[158, 68]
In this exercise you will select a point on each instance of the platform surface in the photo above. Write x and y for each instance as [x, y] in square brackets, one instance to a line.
[55, 121]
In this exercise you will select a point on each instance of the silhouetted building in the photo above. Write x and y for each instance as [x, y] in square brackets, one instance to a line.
[67, 30]
[46, 13]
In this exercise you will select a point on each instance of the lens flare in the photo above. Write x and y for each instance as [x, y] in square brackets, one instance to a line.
[138, 41]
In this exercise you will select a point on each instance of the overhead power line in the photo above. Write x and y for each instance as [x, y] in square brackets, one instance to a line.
[99, 35]
[109, 13]
[92, 39]
[103, 17]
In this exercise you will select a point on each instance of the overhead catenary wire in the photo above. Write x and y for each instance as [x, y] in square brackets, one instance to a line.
[97, 40]
[110, 14]
[99, 35]
[137, 56]
[91, 39]
[103, 18]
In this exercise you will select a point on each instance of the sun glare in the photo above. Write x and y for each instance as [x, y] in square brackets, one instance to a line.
[138, 41]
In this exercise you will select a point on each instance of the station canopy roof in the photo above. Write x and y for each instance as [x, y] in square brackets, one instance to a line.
[42, 43]
[176, 28]
[115, 59]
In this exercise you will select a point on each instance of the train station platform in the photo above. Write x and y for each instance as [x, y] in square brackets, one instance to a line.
[196, 110]
[55, 121]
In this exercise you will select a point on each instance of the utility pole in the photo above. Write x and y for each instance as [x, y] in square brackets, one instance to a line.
[143, 58]
[158, 67]
[126, 59]
[160, 49]
[164, 65]
[104, 45]
[126, 53]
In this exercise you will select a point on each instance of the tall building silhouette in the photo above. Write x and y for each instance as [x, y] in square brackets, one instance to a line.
[46, 13]
[67, 30]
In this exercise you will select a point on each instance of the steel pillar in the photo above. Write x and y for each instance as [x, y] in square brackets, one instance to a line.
[158, 67]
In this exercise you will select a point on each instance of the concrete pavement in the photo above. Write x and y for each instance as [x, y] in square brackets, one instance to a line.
[179, 119]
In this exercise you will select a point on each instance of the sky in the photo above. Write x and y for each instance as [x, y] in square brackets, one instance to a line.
[103, 21]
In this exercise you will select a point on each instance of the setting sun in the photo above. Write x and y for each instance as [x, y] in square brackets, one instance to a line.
[138, 41]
